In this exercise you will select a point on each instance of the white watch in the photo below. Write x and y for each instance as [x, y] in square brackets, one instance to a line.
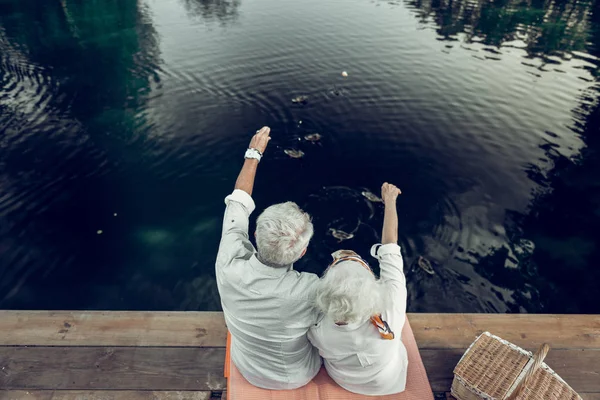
[253, 153]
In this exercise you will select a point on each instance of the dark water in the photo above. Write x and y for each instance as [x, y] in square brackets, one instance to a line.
[123, 124]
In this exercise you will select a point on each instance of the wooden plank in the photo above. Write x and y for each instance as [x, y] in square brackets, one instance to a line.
[101, 395]
[105, 368]
[151, 395]
[112, 328]
[448, 396]
[99, 368]
[443, 331]
[579, 368]
[193, 329]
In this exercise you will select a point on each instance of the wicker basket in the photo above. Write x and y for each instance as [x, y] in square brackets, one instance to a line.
[495, 369]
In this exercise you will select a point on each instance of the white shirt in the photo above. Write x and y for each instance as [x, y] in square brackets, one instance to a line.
[355, 355]
[267, 310]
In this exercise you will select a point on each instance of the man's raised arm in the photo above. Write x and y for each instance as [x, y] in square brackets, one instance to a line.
[234, 240]
[245, 180]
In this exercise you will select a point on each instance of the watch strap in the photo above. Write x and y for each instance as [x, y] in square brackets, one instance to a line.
[253, 153]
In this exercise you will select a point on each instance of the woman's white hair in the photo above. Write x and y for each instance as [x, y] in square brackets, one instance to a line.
[282, 233]
[350, 293]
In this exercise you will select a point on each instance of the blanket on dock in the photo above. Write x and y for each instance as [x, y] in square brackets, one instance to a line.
[322, 387]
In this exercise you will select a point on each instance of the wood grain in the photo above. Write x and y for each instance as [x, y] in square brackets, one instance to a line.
[112, 328]
[151, 395]
[444, 331]
[201, 369]
[173, 354]
[106, 368]
[193, 329]
[101, 395]
[584, 396]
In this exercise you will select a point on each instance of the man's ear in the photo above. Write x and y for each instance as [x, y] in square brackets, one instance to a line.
[255, 234]
[303, 252]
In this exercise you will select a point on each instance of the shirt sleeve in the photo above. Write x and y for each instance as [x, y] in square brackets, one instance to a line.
[235, 242]
[392, 271]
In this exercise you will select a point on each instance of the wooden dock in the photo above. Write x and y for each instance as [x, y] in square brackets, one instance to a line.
[46, 355]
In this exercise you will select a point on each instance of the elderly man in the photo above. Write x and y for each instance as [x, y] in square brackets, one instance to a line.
[359, 336]
[267, 305]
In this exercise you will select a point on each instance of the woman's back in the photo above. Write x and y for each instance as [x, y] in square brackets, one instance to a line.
[357, 357]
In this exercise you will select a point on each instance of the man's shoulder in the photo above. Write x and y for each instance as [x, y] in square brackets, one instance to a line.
[301, 278]
[299, 285]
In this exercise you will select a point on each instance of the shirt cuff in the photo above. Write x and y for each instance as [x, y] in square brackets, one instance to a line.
[380, 250]
[239, 196]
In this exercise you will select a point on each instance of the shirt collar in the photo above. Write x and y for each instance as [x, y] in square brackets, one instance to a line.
[264, 269]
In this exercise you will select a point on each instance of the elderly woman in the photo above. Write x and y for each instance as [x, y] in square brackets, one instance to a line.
[359, 333]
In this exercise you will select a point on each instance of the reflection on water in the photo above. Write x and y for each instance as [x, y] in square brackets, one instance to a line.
[222, 10]
[122, 124]
[544, 28]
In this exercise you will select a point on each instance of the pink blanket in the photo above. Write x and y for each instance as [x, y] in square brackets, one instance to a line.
[322, 387]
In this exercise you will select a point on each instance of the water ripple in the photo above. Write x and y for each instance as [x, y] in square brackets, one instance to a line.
[139, 118]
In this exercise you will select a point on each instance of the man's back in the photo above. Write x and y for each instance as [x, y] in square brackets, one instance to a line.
[268, 310]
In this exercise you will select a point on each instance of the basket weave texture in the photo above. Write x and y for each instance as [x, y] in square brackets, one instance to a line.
[494, 369]
[546, 385]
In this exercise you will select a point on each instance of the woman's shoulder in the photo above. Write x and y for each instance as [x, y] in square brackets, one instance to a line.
[395, 316]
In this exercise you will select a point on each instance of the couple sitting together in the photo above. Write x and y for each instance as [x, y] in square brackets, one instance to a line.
[283, 321]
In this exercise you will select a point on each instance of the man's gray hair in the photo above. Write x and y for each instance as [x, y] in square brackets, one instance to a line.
[282, 233]
[350, 293]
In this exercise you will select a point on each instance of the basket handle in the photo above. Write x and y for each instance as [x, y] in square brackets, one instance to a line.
[538, 359]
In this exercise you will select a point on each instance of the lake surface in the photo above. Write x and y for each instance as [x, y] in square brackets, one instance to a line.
[123, 125]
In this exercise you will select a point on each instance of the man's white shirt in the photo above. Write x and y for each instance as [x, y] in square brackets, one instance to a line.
[267, 310]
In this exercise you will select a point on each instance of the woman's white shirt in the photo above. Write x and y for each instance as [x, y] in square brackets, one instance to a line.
[355, 355]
